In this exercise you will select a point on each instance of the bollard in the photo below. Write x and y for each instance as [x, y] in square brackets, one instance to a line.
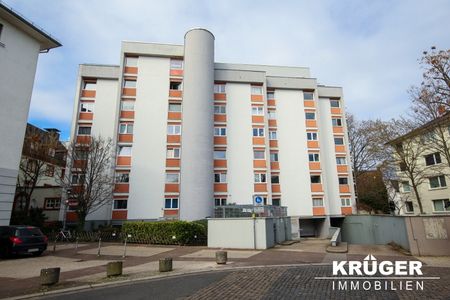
[76, 245]
[54, 246]
[99, 246]
[50, 276]
[165, 264]
[221, 257]
[114, 268]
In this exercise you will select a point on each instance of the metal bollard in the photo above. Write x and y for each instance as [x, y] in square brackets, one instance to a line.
[114, 268]
[76, 245]
[99, 246]
[50, 276]
[165, 264]
[221, 257]
[54, 246]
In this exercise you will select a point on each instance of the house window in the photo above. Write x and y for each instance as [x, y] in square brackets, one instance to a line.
[341, 161]
[343, 180]
[315, 179]
[433, 159]
[125, 128]
[219, 88]
[272, 115]
[406, 187]
[173, 129]
[122, 177]
[441, 205]
[308, 96]
[270, 95]
[317, 202]
[395, 185]
[257, 90]
[124, 150]
[335, 103]
[337, 122]
[260, 177]
[176, 64]
[275, 178]
[50, 171]
[220, 177]
[409, 206]
[346, 202]
[311, 136]
[274, 156]
[77, 179]
[220, 201]
[258, 132]
[338, 141]
[220, 131]
[175, 85]
[172, 177]
[276, 202]
[52, 203]
[437, 182]
[84, 130]
[259, 154]
[310, 116]
[220, 109]
[81, 154]
[173, 153]
[174, 107]
[120, 204]
[127, 105]
[257, 110]
[171, 203]
[129, 83]
[402, 166]
[272, 135]
[87, 107]
[313, 157]
[131, 61]
[89, 85]
[220, 154]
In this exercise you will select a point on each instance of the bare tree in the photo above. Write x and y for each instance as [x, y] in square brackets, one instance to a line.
[90, 182]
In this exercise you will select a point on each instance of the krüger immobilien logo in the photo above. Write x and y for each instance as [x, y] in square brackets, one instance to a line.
[371, 274]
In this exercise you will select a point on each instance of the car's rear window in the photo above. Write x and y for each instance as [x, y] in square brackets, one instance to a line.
[28, 232]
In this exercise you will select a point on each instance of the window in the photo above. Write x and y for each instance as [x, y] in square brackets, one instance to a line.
[120, 204]
[270, 95]
[127, 105]
[308, 96]
[174, 107]
[86, 107]
[220, 131]
[275, 178]
[219, 88]
[338, 141]
[437, 182]
[129, 83]
[220, 154]
[259, 154]
[260, 177]
[84, 130]
[315, 179]
[409, 206]
[258, 131]
[441, 205]
[346, 202]
[125, 128]
[272, 135]
[171, 203]
[257, 90]
[220, 177]
[49, 171]
[313, 156]
[122, 177]
[220, 201]
[337, 122]
[220, 109]
[317, 202]
[175, 85]
[176, 64]
[173, 153]
[335, 103]
[172, 177]
[272, 115]
[395, 185]
[124, 150]
[310, 116]
[77, 179]
[311, 136]
[274, 156]
[402, 166]
[131, 61]
[276, 202]
[173, 129]
[257, 110]
[433, 159]
[341, 161]
[343, 180]
[52, 203]
[89, 85]
[406, 187]
[81, 154]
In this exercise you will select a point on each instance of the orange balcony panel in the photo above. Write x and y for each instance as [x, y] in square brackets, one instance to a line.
[71, 216]
[316, 187]
[174, 115]
[121, 188]
[339, 148]
[220, 118]
[220, 163]
[344, 188]
[176, 72]
[119, 214]
[272, 123]
[220, 140]
[258, 140]
[88, 94]
[313, 144]
[171, 212]
[129, 91]
[258, 119]
[257, 98]
[86, 116]
[79, 164]
[342, 169]
[311, 123]
[260, 187]
[83, 139]
[276, 188]
[338, 129]
[173, 162]
[172, 188]
[313, 165]
[124, 160]
[259, 163]
[174, 139]
[127, 114]
[220, 187]
[175, 93]
[273, 144]
[309, 103]
[220, 96]
[131, 70]
[336, 111]
[319, 211]
[271, 102]
[76, 189]
[275, 165]
[126, 138]
[346, 210]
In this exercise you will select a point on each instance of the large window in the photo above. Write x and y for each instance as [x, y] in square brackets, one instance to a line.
[125, 150]
[52, 203]
[259, 154]
[131, 61]
[176, 64]
[441, 205]
[272, 135]
[173, 153]
[275, 178]
[315, 179]
[220, 201]
[272, 115]
[406, 187]
[337, 122]
[276, 202]
[260, 177]
[433, 159]
[127, 105]
[308, 96]
[317, 202]
[77, 179]
[437, 182]
[257, 110]
[173, 129]
[86, 107]
[258, 132]
[274, 157]
[346, 202]
[257, 90]
[409, 206]
[171, 203]
[335, 103]
[220, 154]
[343, 180]
[122, 177]
[120, 204]
[270, 95]
[219, 88]
[341, 161]
[220, 109]
[84, 130]
[89, 85]
[310, 116]
[175, 85]
[339, 141]
[125, 128]
[311, 136]
[129, 83]
[220, 177]
[172, 177]
[313, 157]
[174, 107]
[220, 131]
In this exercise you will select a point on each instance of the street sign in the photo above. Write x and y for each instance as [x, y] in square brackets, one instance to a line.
[258, 200]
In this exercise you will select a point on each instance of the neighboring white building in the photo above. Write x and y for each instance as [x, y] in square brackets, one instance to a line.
[20, 44]
[192, 134]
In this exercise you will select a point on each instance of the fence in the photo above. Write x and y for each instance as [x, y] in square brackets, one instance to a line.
[247, 211]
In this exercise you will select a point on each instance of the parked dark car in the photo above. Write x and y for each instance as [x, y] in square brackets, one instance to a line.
[19, 239]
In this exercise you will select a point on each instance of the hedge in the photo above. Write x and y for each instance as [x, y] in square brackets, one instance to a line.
[166, 232]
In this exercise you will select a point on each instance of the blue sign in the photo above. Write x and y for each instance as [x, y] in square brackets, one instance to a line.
[258, 200]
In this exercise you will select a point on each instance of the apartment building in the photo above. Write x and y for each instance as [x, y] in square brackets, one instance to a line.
[192, 134]
[21, 42]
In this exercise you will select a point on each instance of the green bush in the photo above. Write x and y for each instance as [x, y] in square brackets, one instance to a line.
[166, 232]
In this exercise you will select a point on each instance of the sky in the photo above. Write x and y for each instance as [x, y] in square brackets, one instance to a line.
[370, 48]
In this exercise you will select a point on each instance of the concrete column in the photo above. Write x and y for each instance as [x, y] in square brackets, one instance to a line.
[197, 145]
